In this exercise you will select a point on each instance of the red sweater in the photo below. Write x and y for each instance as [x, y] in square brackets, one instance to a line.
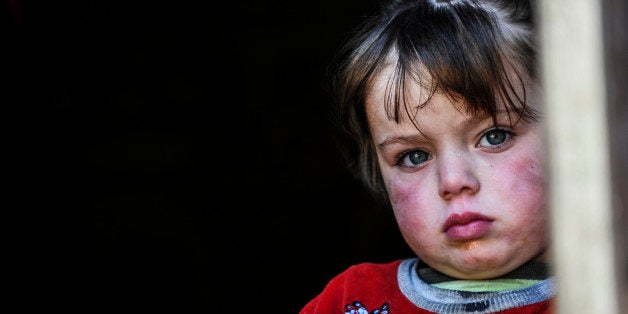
[394, 288]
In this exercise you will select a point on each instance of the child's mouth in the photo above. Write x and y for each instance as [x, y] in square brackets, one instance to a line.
[467, 226]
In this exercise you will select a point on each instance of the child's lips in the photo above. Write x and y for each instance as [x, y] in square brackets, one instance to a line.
[467, 226]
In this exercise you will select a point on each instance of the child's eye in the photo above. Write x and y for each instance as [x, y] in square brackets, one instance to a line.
[413, 158]
[495, 137]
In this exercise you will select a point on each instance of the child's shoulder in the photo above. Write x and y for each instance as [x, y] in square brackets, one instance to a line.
[359, 287]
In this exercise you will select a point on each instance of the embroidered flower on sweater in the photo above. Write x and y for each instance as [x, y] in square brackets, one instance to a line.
[358, 308]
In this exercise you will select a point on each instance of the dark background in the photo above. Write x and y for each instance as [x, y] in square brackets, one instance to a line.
[179, 156]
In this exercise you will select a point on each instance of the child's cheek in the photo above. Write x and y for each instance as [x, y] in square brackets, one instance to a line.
[525, 184]
[402, 192]
[528, 174]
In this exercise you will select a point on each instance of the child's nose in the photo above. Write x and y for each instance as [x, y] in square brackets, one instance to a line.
[456, 175]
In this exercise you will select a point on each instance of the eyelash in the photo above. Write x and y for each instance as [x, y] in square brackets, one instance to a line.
[400, 159]
[509, 136]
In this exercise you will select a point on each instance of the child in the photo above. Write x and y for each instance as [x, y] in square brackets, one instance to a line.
[441, 103]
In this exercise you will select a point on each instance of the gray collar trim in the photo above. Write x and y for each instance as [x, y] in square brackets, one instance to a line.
[449, 301]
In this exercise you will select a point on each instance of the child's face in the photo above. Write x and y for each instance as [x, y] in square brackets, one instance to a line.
[468, 196]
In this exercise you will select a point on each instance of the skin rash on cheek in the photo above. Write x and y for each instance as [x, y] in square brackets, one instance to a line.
[401, 190]
[401, 187]
[530, 176]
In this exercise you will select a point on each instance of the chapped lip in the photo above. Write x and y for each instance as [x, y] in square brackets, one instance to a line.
[463, 219]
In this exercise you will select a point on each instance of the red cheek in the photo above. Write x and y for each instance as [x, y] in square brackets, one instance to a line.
[404, 191]
[399, 194]
[528, 175]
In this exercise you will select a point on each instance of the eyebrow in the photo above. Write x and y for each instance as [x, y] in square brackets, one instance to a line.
[410, 139]
[499, 115]
[478, 118]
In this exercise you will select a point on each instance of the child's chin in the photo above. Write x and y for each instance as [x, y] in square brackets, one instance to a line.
[480, 269]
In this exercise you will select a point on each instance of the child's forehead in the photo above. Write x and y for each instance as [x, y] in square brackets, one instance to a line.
[415, 92]
[421, 101]
[416, 88]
